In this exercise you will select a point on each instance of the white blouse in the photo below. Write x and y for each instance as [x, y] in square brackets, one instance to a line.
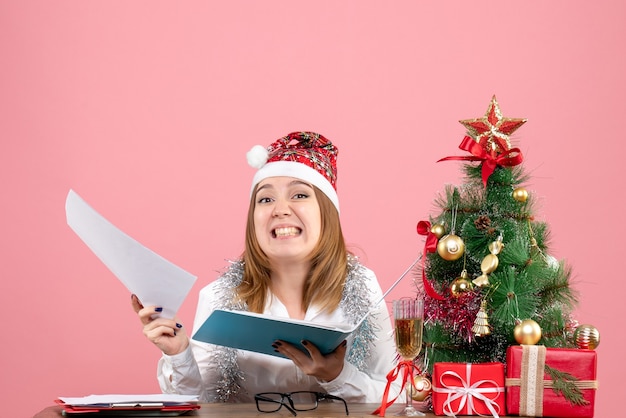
[195, 371]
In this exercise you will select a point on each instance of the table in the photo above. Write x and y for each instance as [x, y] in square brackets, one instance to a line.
[247, 410]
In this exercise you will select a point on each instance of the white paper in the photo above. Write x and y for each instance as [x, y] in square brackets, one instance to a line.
[162, 398]
[152, 278]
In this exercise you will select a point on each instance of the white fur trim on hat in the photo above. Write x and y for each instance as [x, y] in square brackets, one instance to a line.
[299, 171]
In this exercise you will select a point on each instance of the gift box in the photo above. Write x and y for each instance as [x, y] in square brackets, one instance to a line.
[468, 389]
[540, 381]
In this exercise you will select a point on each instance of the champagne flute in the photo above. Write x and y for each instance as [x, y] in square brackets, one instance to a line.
[408, 315]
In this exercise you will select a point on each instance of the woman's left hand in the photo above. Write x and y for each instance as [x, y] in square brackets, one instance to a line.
[322, 367]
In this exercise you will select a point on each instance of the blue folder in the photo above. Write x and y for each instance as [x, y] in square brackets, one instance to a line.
[256, 332]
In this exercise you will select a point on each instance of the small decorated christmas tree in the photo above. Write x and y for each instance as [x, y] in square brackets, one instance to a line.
[488, 277]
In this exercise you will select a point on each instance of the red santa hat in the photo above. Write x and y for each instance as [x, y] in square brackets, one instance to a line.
[307, 156]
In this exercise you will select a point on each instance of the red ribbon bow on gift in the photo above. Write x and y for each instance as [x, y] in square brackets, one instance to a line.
[489, 160]
[423, 228]
[409, 370]
[467, 393]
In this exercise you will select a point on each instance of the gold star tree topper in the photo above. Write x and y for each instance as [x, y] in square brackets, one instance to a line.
[492, 131]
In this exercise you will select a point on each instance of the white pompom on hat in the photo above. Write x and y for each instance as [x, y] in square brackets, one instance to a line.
[307, 156]
[257, 156]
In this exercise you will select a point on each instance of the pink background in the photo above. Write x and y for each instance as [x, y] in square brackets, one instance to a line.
[146, 109]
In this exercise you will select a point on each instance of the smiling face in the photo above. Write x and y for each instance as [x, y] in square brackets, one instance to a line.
[287, 219]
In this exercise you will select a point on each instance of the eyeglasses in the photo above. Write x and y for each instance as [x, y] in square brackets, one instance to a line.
[298, 401]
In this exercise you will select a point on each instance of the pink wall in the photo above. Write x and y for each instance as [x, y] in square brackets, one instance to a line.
[146, 109]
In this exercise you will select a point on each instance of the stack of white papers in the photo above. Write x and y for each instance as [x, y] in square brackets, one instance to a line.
[130, 400]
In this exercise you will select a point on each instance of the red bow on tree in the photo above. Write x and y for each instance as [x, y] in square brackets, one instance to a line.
[490, 159]
[423, 228]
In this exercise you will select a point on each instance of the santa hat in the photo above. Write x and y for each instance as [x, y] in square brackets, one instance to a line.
[307, 156]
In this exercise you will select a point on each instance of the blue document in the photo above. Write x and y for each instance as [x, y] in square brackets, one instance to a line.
[256, 332]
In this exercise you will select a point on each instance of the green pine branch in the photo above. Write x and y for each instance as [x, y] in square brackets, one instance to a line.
[514, 296]
[565, 384]
[557, 287]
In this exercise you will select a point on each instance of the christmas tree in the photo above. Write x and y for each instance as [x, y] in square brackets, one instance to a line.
[488, 278]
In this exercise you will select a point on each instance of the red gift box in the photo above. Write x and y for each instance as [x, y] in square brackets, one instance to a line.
[529, 387]
[468, 389]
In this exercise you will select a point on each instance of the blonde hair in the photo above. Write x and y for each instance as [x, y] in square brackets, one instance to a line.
[329, 263]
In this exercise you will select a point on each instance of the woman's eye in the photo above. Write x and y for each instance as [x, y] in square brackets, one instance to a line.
[264, 200]
[301, 196]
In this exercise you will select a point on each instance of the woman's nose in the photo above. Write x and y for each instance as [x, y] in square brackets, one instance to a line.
[282, 208]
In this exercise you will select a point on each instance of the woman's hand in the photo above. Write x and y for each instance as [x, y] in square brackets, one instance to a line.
[167, 334]
[325, 368]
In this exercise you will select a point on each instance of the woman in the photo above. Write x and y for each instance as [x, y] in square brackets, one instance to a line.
[295, 265]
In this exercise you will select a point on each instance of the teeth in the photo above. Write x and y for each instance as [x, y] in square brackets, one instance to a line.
[283, 232]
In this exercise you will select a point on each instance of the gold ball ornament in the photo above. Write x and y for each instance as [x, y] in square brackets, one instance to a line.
[422, 388]
[527, 332]
[438, 230]
[520, 194]
[461, 285]
[451, 247]
[587, 337]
